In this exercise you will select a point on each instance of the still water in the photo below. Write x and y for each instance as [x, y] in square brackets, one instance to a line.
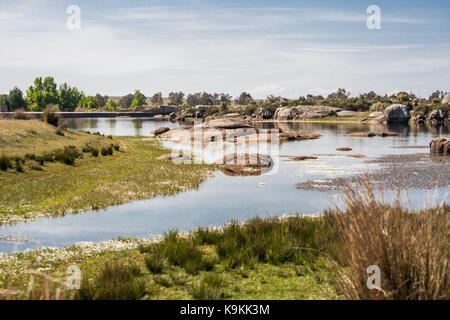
[222, 198]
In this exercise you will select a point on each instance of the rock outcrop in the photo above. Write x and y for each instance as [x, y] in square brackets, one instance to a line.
[397, 113]
[304, 112]
[161, 130]
[446, 98]
[440, 145]
[245, 164]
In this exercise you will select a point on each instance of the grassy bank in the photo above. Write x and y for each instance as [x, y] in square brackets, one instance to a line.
[235, 262]
[105, 171]
[295, 257]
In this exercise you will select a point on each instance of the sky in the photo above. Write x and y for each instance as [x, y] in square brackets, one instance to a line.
[285, 48]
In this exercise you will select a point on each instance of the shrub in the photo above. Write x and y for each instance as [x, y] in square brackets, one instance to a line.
[155, 263]
[104, 152]
[182, 252]
[5, 163]
[116, 147]
[210, 288]
[109, 150]
[50, 115]
[20, 114]
[275, 241]
[116, 281]
[67, 155]
[410, 248]
[18, 166]
[61, 128]
[94, 152]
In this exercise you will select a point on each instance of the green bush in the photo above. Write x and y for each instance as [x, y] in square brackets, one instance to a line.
[155, 263]
[182, 252]
[104, 152]
[117, 281]
[5, 163]
[210, 288]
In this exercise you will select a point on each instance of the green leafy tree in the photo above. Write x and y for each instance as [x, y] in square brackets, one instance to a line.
[69, 98]
[41, 94]
[403, 97]
[16, 100]
[110, 106]
[3, 102]
[89, 103]
[138, 99]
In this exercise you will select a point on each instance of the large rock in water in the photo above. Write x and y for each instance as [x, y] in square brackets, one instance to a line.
[446, 98]
[245, 164]
[440, 145]
[397, 113]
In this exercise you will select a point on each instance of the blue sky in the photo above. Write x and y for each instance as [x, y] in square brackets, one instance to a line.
[287, 48]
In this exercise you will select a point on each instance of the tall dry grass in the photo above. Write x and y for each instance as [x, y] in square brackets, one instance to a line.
[410, 248]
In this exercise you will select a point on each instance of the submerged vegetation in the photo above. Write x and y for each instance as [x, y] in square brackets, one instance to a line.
[293, 257]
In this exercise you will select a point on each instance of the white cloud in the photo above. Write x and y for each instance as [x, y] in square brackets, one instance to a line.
[223, 50]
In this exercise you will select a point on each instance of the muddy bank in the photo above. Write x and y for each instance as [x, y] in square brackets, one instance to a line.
[411, 171]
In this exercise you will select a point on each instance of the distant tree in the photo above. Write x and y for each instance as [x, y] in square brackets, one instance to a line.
[244, 98]
[41, 94]
[110, 105]
[207, 99]
[15, 99]
[89, 103]
[403, 97]
[138, 99]
[69, 98]
[193, 99]
[4, 102]
[101, 100]
[225, 99]
[157, 98]
[436, 95]
[125, 101]
[369, 96]
[176, 98]
[340, 94]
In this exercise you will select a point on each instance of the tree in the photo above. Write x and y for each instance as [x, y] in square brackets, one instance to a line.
[110, 105]
[69, 98]
[193, 99]
[89, 103]
[125, 101]
[3, 102]
[41, 94]
[207, 99]
[16, 100]
[402, 97]
[244, 98]
[138, 99]
[157, 98]
[176, 98]
[225, 99]
[340, 94]
[101, 100]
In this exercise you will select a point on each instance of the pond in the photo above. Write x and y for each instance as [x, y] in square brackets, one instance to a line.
[222, 198]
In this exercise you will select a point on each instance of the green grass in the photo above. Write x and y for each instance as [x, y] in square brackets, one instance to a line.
[92, 181]
[309, 278]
